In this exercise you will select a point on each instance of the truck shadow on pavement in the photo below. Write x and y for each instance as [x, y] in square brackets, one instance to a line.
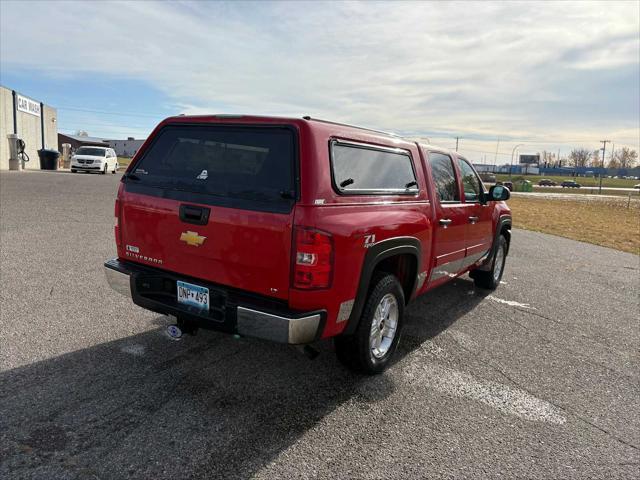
[209, 406]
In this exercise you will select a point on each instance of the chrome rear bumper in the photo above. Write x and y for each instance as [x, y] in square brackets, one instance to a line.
[118, 280]
[284, 327]
[254, 323]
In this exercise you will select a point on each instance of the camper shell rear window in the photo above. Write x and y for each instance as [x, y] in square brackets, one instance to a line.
[249, 167]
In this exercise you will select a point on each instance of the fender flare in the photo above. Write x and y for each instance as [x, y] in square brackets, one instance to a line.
[504, 221]
[375, 254]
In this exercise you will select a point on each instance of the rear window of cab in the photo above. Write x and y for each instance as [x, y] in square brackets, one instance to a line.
[362, 169]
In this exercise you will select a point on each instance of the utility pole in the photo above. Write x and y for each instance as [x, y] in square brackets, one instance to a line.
[457, 143]
[604, 147]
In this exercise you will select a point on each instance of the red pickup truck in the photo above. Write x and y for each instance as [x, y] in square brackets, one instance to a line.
[298, 229]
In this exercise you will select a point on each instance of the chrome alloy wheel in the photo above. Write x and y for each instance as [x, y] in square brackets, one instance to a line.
[384, 326]
[498, 264]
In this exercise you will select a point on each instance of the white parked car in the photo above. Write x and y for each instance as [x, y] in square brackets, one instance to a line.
[94, 159]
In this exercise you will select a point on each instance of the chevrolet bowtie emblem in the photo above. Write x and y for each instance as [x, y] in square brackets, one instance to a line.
[192, 238]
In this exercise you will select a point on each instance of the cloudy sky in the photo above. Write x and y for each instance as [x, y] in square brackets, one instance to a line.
[549, 75]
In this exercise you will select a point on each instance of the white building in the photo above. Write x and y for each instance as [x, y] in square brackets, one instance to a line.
[125, 148]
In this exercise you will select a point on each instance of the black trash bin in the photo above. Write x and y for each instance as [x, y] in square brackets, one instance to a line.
[48, 159]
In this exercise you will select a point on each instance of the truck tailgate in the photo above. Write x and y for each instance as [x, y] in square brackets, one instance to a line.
[214, 203]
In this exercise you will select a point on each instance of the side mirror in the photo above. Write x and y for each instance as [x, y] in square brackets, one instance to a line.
[499, 193]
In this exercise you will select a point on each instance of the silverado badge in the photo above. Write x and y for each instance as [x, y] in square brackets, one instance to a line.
[192, 238]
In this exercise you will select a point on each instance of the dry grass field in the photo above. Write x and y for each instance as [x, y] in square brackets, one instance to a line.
[124, 161]
[607, 223]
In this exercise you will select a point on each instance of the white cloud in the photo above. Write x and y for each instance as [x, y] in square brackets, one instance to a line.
[475, 68]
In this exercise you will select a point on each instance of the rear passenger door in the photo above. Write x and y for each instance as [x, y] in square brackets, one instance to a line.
[479, 232]
[451, 219]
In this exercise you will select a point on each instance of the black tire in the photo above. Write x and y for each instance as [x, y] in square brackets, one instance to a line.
[115, 169]
[104, 170]
[491, 279]
[355, 351]
[73, 171]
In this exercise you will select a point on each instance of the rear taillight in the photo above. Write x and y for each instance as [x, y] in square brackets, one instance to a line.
[116, 228]
[313, 259]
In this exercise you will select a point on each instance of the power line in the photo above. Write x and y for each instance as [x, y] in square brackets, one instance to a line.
[97, 123]
[506, 137]
[122, 128]
[439, 132]
[435, 131]
[110, 134]
[485, 151]
[550, 142]
[124, 125]
[104, 112]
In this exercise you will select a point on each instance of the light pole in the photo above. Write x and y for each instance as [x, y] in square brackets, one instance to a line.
[604, 147]
[512, 153]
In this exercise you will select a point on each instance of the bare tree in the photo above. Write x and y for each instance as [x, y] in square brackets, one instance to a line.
[613, 162]
[596, 159]
[82, 133]
[624, 158]
[547, 158]
[579, 157]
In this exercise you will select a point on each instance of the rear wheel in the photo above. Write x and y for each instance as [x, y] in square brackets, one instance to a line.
[491, 279]
[104, 170]
[370, 348]
[115, 168]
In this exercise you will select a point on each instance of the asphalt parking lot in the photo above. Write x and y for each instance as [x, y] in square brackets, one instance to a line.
[538, 379]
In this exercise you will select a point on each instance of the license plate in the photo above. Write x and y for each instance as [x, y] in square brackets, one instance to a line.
[193, 295]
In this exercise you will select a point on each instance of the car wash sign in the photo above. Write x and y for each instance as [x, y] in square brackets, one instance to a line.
[27, 105]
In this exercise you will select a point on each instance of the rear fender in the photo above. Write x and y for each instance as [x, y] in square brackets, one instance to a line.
[376, 254]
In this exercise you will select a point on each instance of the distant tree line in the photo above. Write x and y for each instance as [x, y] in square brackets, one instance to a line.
[581, 157]
[623, 158]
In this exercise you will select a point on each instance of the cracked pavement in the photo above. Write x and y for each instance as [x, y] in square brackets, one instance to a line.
[538, 379]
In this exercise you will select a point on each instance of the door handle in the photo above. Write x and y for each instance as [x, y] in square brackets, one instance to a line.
[194, 214]
[445, 222]
[473, 219]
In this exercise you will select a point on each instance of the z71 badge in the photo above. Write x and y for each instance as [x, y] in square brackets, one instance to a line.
[369, 240]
